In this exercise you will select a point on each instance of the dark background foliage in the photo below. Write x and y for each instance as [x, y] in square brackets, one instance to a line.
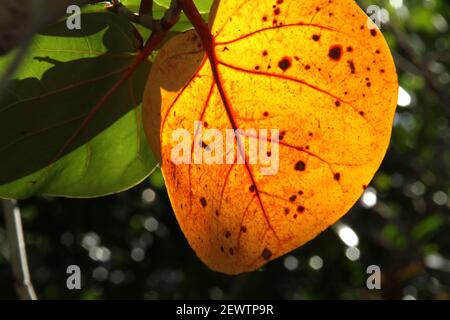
[129, 245]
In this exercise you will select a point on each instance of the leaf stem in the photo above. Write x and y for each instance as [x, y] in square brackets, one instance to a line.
[17, 252]
[146, 7]
[197, 21]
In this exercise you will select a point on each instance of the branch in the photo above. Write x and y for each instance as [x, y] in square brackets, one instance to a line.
[17, 252]
[145, 16]
[191, 11]
[146, 7]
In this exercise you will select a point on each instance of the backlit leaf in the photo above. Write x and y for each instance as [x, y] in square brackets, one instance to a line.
[316, 70]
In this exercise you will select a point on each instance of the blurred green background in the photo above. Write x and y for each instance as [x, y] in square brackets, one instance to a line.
[129, 245]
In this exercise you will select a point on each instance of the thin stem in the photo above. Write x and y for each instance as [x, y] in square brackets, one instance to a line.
[197, 21]
[145, 16]
[146, 7]
[17, 252]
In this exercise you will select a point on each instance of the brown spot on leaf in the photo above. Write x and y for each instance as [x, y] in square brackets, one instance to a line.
[335, 52]
[205, 146]
[266, 254]
[351, 65]
[300, 166]
[203, 202]
[285, 63]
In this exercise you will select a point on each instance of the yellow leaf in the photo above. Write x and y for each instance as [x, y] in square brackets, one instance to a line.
[321, 73]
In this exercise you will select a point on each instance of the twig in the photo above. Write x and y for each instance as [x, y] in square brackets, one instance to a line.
[17, 252]
[145, 20]
[171, 16]
[146, 7]
[145, 16]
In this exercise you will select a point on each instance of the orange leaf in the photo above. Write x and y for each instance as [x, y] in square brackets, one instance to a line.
[316, 70]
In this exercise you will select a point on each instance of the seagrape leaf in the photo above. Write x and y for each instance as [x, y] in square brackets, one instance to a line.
[318, 71]
[49, 142]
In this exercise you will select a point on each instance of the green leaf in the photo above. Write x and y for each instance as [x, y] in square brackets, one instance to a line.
[427, 227]
[63, 78]
[394, 237]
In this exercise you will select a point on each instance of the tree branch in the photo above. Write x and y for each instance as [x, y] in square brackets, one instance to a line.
[146, 7]
[145, 20]
[145, 16]
[17, 252]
